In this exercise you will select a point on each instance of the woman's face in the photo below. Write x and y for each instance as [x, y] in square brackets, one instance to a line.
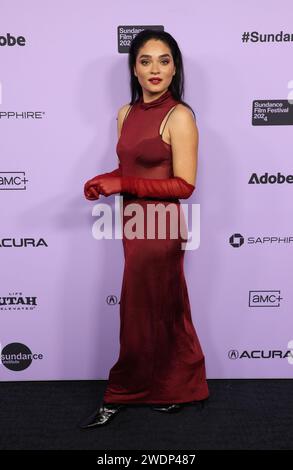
[154, 60]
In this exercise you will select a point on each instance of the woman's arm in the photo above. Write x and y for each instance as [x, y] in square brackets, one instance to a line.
[184, 141]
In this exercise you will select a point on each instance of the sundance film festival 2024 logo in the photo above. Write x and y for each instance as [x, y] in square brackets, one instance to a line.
[126, 33]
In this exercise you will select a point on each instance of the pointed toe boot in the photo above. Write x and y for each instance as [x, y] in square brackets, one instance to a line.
[101, 416]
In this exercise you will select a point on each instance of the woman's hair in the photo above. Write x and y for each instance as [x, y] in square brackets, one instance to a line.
[177, 85]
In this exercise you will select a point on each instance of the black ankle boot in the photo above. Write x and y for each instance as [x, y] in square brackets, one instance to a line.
[172, 408]
[102, 415]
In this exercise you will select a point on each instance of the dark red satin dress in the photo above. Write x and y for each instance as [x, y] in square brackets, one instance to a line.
[160, 359]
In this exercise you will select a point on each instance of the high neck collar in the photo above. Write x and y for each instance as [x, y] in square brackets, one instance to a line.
[157, 102]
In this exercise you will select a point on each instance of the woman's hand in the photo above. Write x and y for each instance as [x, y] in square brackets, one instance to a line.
[91, 193]
[105, 185]
[108, 185]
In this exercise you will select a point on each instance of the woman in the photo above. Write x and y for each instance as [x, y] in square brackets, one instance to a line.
[161, 361]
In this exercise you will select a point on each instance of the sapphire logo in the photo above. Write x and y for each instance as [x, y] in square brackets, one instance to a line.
[236, 240]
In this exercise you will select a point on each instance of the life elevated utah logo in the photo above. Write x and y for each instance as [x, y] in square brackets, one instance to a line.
[17, 301]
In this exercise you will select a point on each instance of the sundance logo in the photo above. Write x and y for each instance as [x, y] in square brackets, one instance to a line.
[237, 240]
[264, 298]
[260, 354]
[13, 180]
[21, 242]
[270, 179]
[17, 356]
[10, 40]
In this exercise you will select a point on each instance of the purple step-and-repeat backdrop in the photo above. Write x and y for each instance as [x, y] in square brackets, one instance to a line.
[63, 76]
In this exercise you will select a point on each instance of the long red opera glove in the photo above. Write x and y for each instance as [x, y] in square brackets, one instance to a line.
[90, 187]
[175, 187]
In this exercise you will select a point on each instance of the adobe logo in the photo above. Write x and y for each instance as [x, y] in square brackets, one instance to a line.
[10, 40]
